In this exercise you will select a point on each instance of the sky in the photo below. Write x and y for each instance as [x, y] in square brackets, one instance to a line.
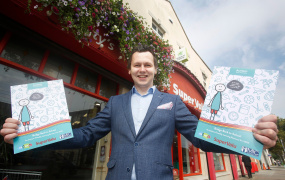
[238, 33]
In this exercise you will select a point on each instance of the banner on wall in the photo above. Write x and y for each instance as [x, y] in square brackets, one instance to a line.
[236, 99]
[42, 111]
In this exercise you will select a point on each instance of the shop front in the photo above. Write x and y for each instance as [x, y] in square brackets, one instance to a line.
[186, 157]
[33, 49]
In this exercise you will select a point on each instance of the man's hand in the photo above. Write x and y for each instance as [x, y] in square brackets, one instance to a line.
[9, 131]
[266, 131]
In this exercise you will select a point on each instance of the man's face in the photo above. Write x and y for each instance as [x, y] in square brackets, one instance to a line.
[142, 70]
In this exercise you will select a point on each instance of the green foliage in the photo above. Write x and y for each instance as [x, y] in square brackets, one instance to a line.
[277, 150]
[84, 17]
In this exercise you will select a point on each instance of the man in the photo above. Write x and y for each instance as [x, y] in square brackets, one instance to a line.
[247, 164]
[143, 123]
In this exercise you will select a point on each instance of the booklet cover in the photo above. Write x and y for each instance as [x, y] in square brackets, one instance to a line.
[42, 110]
[236, 99]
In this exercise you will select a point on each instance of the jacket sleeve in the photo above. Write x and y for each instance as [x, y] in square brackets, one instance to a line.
[186, 124]
[95, 129]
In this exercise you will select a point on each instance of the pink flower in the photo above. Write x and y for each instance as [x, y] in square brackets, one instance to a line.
[90, 28]
[93, 15]
[55, 9]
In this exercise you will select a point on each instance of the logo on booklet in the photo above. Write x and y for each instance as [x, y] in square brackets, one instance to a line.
[25, 146]
[64, 135]
[249, 151]
[205, 135]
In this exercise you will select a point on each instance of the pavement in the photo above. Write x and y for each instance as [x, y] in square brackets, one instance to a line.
[276, 173]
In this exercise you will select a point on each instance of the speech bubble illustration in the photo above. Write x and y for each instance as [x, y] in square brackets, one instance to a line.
[235, 85]
[36, 96]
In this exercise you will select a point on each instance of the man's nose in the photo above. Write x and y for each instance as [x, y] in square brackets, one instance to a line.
[142, 68]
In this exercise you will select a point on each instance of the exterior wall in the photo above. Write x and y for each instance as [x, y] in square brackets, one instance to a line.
[161, 11]
[204, 167]
[227, 174]
[238, 166]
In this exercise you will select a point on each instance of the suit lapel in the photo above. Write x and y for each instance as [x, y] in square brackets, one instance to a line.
[128, 112]
[156, 99]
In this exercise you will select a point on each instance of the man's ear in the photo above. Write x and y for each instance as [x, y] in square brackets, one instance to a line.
[129, 71]
[155, 72]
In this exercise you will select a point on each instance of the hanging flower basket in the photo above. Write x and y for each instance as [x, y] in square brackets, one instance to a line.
[83, 17]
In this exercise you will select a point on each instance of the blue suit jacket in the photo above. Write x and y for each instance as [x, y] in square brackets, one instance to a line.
[150, 149]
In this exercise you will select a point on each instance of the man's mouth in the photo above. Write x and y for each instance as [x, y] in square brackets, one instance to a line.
[142, 76]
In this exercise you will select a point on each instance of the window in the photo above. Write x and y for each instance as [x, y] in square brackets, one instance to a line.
[54, 164]
[59, 67]
[204, 79]
[23, 52]
[158, 30]
[190, 156]
[108, 88]
[86, 79]
[204, 76]
[219, 162]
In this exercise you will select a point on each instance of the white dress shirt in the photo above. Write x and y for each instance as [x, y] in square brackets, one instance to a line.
[140, 105]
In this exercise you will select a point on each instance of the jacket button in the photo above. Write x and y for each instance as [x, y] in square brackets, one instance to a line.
[136, 144]
[128, 169]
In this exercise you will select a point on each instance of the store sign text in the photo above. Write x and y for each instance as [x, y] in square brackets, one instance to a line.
[102, 40]
[186, 97]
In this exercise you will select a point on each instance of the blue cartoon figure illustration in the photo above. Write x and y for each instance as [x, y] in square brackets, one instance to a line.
[216, 101]
[25, 115]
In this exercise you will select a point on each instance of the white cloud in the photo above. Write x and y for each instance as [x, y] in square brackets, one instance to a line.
[224, 26]
[282, 66]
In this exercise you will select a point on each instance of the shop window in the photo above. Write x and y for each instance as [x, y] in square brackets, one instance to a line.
[23, 52]
[86, 79]
[59, 67]
[219, 162]
[54, 164]
[107, 88]
[190, 156]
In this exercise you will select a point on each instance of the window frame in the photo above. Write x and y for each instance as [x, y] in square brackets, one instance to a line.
[158, 29]
[39, 72]
[223, 160]
[180, 158]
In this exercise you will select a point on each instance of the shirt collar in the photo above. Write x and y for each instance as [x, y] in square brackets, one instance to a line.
[150, 91]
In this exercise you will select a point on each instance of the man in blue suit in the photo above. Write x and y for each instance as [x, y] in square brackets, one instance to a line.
[143, 123]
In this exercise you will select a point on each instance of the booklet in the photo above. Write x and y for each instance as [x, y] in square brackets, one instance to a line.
[236, 99]
[42, 110]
